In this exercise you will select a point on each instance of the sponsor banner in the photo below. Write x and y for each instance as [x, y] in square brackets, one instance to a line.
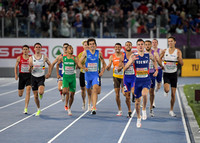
[191, 67]
[12, 52]
[10, 47]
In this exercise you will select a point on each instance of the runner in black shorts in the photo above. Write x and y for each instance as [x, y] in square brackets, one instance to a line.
[24, 75]
[171, 56]
[37, 64]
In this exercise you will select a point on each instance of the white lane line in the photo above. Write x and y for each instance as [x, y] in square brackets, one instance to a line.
[8, 83]
[8, 92]
[32, 115]
[24, 99]
[183, 118]
[17, 89]
[125, 129]
[51, 140]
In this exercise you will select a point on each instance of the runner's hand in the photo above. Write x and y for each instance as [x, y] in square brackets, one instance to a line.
[16, 77]
[58, 76]
[47, 76]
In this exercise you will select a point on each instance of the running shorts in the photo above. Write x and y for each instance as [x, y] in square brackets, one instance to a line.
[24, 80]
[128, 83]
[117, 82]
[159, 76]
[171, 78]
[69, 82]
[139, 85]
[37, 81]
[153, 79]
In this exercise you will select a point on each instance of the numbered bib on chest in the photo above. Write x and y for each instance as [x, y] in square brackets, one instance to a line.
[130, 71]
[118, 73]
[92, 67]
[170, 65]
[24, 68]
[69, 70]
[142, 72]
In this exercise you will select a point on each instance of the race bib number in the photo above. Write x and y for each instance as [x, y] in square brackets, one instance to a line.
[130, 71]
[142, 72]
[92, 67]
[69, 70]
[116, 71]
[170, 65]
[151, 66]
[24, 68]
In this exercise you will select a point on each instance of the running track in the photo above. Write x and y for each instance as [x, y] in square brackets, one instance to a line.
[54, 125]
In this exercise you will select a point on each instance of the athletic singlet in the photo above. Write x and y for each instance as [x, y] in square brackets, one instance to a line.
[130, 70]
[151, 66]
[170, 61]
[61, 68]
[158, 51]
[69, 67]
[23, 65]
[92, 63]
[38, 67]
[115, 67]
[142, 66]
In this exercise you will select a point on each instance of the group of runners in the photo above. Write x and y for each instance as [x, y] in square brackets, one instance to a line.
[134, 73]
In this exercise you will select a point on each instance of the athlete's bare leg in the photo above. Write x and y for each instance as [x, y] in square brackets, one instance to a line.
[27, 98]
[117, 98]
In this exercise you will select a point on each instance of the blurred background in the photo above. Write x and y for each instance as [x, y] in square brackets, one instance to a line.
[104, 19]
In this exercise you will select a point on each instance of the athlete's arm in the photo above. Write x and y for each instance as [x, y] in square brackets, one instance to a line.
[30, 63]
[131, 60]
[79, 65]
[180, 59]
[82, 58]
[110, 63]
[103, 63]
[49, 70]
[16, 65]
[154, 64]
[54, 62]
[160, 59]
[121, 64]
[57, 67]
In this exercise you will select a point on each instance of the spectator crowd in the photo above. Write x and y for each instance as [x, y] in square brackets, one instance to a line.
[82, 18]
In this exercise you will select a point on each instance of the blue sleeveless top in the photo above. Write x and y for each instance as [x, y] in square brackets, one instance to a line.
[130, 72]
[142, 66]
[92, 63]
[60, 69]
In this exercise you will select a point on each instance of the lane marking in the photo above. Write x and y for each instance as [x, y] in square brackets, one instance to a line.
[17, 89]
[183, 119]
[56, 136]
[126, 127]
[24, 99]
[8, 83]
[32, 114]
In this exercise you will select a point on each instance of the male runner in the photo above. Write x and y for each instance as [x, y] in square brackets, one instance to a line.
[117, 76]
[59, 73]
[24, 75]
[37, 66]
[82, 78]
[129, 76]
[171, 56]
[142, 81]
[152, 69]
[92, 76]
[69, 76]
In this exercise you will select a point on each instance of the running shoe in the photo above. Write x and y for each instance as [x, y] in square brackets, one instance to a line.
[119, 113]
[144, 115]
[40, 96]
[38, 113]
[93, 111]
[89, 107]
[83, 107]
[129, 114]
[69, 112]
[25, 111]
[151, 113]
[154, 105]
[165, 94]
[62, 97]
[66, 108]
[133, 98]
[138, 124]
[171, 113]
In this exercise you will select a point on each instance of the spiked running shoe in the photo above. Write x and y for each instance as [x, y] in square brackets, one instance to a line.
[38, 113]
[144, 115]
[151, 113]
[62, 97]
[25, 111]
[119, 113]
[66, 108]
[41, 96]
[138, 124]
[69, 112]
[93, 111]
[129, 114]
[171, 113]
